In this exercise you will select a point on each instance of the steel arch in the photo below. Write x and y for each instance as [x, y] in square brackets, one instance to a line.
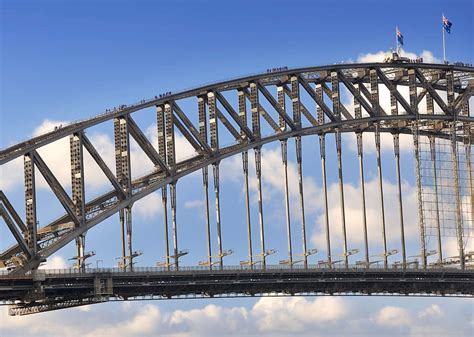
[361, 81]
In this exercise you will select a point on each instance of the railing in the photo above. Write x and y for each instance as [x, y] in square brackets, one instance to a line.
[232, 268]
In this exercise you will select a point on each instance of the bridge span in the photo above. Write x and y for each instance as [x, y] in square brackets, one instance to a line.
[427, 102]
[45, 290]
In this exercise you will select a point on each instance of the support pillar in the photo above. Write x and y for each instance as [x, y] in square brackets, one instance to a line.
[337, 112]
[215, 170]
[205, 177]
[30, 204]
[78, 198]
[396, 147]
[284, 158]
[123, 170]
[295, 95]
[254, 104]
[360, 154]
[174, 224]
[322, 152]
[421, 222]
[164, 200]
[379, 170]
[245, 167]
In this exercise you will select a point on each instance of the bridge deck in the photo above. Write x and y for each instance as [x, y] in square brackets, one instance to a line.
[52, 289]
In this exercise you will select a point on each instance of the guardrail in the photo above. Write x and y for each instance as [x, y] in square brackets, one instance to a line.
[255, 268]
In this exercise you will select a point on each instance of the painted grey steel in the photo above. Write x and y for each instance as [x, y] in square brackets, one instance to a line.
[396, 147]
[335, 119]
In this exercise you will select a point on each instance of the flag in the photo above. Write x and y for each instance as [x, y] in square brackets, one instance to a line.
[399, 37]
[447, 25]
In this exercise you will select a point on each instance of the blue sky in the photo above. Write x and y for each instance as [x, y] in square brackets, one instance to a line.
[67, 60]
[72, 59]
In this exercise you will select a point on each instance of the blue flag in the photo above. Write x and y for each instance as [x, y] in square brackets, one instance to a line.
[399, 37]
[447, 25]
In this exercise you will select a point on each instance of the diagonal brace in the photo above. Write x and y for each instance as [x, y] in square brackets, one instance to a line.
[356, 93]
[146, 146]
[264, 114]
[16, 233]
[432, 92]
[276, 106]
[234, 116]
[343, 108]
[368, 95]
[303, 108]
[191, 128]
[56, 187]
[103, 166]
[11, 210]
[228, 126]
[187, 135]
[318, 101]
[464, 97]
[394, 92]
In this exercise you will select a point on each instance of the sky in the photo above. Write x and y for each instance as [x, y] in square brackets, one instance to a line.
[62, 61]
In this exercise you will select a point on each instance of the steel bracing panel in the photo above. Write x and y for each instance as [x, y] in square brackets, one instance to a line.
[78, 192]
[103, 166]
[14, 230]
[8, 206]
[146, 146]
[30, 203]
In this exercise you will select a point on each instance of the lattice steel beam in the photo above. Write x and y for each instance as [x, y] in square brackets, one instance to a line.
[228, 126]
[318, 100]
[191, 128]
[303, 108]
[266, 116]
[146, 146]
[56, 187]
[277, 108]
[11, 210]
[356, 93]
[103, 166]
[426, 84]
[30, 203]
[393, 90]
[14, 230]
[245, 131]
[344, 111]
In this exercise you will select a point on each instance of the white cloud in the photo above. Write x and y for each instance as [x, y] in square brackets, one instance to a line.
[149, 206]
[217, 318]
[144, 322]
[282, 316]
[393, 317]
[57, 157]
[386, 142]
[379, 56]
[273, 184]
[297, 313]
[55, 262]
[354, 220]
[432, 311]
[193, 204]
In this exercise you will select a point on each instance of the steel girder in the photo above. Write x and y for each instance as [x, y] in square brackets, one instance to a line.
[74, 288]
[431, 78]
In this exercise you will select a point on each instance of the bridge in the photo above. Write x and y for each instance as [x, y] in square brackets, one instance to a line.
[428, 102]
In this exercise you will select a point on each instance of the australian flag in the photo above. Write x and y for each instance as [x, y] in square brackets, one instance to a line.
[447, 25]
[399, 37]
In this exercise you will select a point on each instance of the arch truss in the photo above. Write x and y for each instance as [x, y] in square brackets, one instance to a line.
[254, 111]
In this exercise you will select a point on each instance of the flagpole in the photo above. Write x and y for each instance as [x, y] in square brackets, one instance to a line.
[397, 48]
[444, 40]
